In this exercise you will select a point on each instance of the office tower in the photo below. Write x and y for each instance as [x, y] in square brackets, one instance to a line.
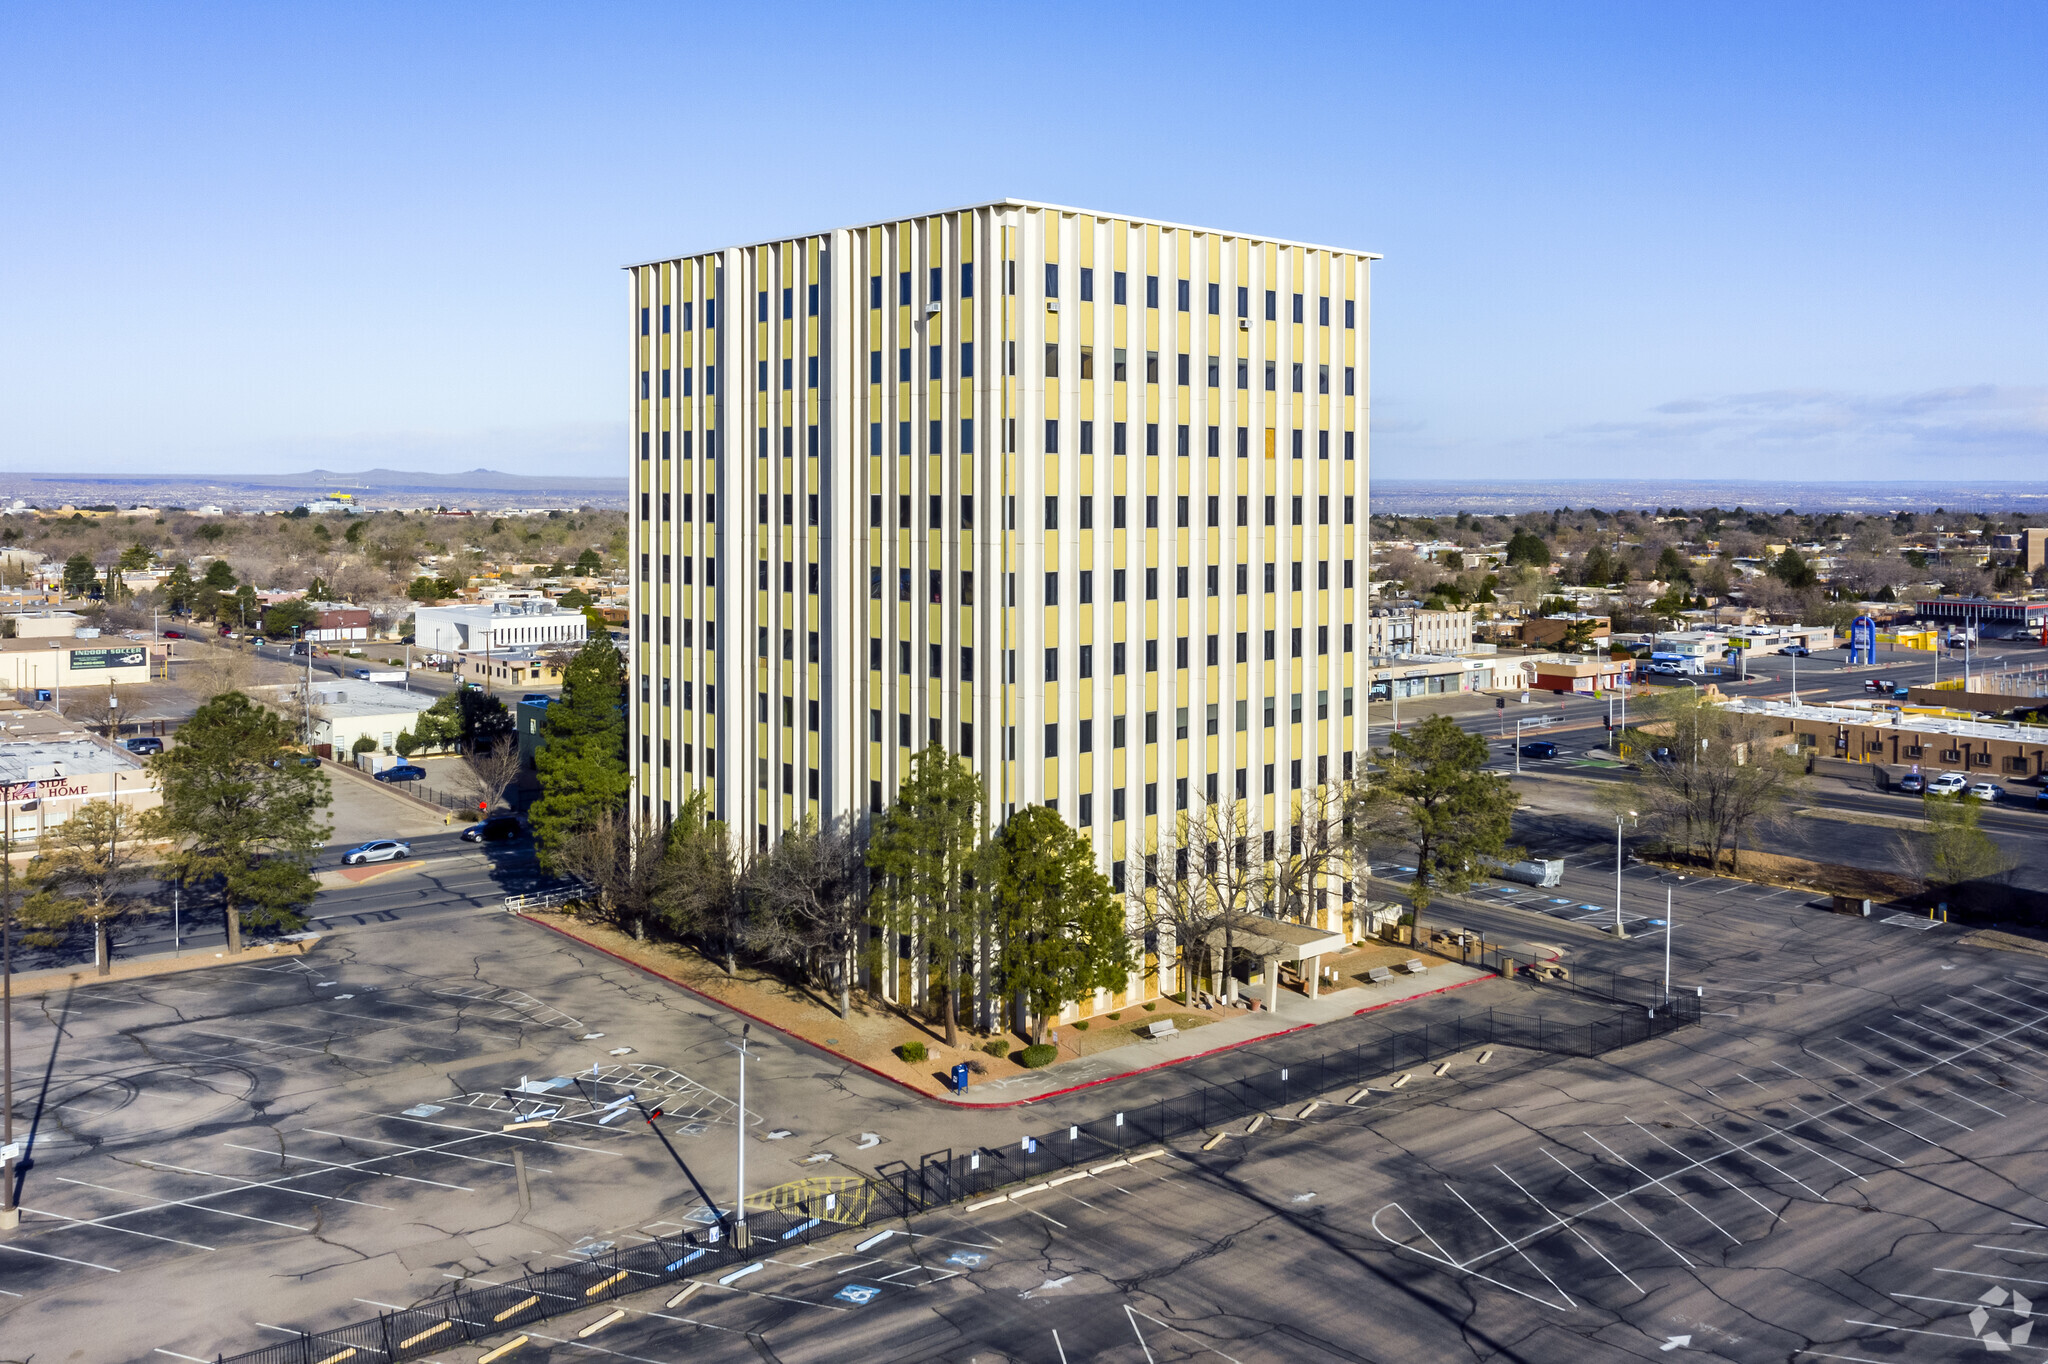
[1080, 497]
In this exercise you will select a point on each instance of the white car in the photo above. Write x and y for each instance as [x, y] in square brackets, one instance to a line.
[383, 850]
[1947, 784]
[1987, 791]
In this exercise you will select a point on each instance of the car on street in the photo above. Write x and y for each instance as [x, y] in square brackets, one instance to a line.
[1947, 784]
[174, 634]
[1988, 791]
[1877, 684]
[495, 829]
[2041, 800]
[382, 850]
[1796, 651]
[144, 744]
[1542, 748]
[1913, 783]
[402, 772]
[1665, 670]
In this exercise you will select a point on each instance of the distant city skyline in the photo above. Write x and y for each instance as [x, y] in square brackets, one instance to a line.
[1738, 241]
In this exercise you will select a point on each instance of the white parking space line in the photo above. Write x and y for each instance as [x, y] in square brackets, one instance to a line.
[65, 1259]
[1573, 1228]
[1659, 1182]
[242, 1183]
[487, 1132]
[338, 1165]
[128, 1231]
[405, 1147]
[182, 1203]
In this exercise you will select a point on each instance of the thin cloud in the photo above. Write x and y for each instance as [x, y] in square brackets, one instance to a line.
[1982, 421]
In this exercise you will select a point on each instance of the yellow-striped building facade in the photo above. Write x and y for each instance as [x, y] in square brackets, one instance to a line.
[1080, 496]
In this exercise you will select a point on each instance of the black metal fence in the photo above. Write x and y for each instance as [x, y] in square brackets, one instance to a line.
[475, 1312]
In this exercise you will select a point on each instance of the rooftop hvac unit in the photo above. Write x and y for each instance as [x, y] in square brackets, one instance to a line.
[933, 308]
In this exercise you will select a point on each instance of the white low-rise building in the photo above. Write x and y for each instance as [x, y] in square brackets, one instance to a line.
[475, 627]
[365, 710]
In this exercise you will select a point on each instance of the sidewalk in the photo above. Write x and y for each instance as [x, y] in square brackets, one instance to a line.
[1297, 1013]
[871, 1036]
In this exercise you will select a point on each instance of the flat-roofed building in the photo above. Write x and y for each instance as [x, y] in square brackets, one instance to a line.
[1069, 494]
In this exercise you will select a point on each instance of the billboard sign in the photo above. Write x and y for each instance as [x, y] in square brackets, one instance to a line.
[1862, 640]
[91, 659]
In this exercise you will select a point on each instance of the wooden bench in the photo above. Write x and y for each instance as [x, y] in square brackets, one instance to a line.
[1379, 975]
[1414, 966]
[1163, 1028]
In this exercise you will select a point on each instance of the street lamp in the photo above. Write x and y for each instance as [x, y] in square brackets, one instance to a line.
[1619, 932]
[1667, 939]
[740, 1237]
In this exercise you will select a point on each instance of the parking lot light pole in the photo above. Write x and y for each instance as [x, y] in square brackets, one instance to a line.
[1619, 932]
[1667, 940]
[740, 1238]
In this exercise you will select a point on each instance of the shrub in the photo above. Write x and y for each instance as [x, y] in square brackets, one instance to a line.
[912, 1052]
[998, 1047]
[1039, 1055]
[1115, 1016]
[1082, 1026]
[1150, 1005]
[363, 744]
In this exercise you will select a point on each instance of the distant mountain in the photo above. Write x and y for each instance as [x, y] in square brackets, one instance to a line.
[329, 480]
[1416, 496]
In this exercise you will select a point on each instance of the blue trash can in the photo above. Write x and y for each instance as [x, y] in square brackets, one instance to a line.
[960, 1078]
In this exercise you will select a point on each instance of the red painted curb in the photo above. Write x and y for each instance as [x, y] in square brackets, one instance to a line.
[969, 1106]
[723, 1004]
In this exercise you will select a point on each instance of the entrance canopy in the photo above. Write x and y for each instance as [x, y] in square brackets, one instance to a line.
[1277, 941]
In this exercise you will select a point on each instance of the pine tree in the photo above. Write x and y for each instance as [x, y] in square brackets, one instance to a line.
[582, 758]
[1433, 794]
[923, 855]
[239, 806]
[1059, 927]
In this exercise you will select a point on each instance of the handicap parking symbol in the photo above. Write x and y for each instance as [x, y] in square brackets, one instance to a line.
[967, 1259]
[858, 1294]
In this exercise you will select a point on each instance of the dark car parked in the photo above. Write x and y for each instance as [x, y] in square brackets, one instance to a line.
[145, 744]
[495, 829]
[403, 772]
[1543, 748]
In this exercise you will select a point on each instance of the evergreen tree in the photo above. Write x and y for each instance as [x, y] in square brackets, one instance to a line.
[239, 807]
[922, 855]
[1059, 927]
[175, 592]
[582, 758]
[79, 575]
[1433, 794]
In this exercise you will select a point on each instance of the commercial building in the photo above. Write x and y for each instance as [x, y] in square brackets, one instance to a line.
[1578, 674]
[1542, 632]
[28, 665]
[1990, 618]
[369, 710]
[512, 668]
[46, 780]
[522, 622]
[1981, 749]
[1079, 497]
[1416, 631]
[52, 625]
[338, 622]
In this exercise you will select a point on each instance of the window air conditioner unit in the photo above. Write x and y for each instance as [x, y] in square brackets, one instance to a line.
[1052, 305]
[933, 308]
[1244, 324]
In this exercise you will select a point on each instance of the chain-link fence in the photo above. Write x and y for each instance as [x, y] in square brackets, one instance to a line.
[794, 1214]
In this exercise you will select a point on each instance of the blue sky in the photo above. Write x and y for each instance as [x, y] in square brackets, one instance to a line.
[1646, 239]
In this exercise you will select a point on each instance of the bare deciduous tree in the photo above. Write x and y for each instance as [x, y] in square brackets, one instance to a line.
[1725, 772]
[627, 868]
[486, 770]
[1204, 885]
[807, 900]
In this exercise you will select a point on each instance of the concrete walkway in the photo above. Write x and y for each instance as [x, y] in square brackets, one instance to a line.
[1296, 1013]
